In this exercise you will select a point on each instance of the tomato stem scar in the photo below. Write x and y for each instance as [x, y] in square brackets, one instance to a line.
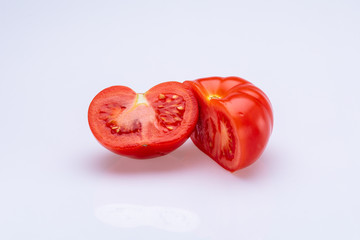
[214, 97]
[140, 99]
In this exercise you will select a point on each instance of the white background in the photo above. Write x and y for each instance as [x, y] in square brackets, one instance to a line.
[57, 182]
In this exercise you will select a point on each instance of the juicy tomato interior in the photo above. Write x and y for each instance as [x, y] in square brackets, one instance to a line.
[214, 134]
[235, 120]
[143, 125]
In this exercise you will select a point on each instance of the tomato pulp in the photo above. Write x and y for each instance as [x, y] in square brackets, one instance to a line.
[235, 120]
[143, 125]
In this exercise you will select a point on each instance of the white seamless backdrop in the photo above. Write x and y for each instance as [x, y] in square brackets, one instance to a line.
[57, 182]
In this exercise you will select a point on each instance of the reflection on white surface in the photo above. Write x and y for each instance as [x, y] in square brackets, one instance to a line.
[166, 218]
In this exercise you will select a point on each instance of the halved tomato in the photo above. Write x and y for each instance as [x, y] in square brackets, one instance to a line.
[235, 120]
[143, 125]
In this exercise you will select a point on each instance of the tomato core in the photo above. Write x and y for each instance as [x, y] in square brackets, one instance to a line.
[226, 137]
[126, 120]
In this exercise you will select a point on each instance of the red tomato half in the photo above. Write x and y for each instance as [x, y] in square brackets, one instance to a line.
[143, 125]
[235, 120]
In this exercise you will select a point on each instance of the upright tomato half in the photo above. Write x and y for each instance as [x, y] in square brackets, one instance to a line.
[143, 125]
[235, 120]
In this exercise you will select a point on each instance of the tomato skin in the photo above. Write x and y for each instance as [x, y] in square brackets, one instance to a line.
[150, 140]
[247, 112]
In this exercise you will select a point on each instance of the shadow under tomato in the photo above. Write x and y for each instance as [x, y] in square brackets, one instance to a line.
[260, 168]
[186, 156]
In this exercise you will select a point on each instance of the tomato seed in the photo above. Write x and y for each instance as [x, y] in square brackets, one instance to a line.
[161, 96]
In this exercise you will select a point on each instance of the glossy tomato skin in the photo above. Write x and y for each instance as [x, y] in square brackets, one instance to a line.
[235, 120]
[143, 125]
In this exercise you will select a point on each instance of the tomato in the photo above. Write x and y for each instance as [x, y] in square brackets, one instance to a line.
[143, 125]
[235, 120]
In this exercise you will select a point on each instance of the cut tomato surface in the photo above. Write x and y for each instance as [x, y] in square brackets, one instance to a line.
[143, 125]
[235, 120]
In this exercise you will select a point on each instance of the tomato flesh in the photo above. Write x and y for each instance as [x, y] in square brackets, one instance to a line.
[143, 125]
[169, 109]
[235, 120]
